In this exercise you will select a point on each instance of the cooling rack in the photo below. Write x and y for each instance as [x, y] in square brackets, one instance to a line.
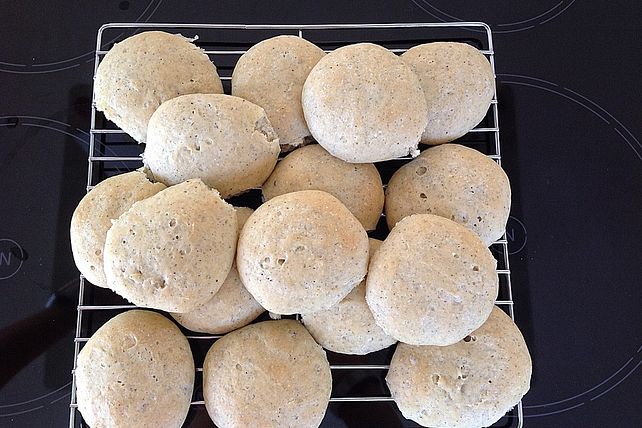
[359, 390]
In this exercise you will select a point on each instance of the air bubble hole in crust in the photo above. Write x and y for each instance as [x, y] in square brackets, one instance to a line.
[265, 263]
[422, 196]
[435, 379]
[172, 222]
[281, 261]
[421, 170]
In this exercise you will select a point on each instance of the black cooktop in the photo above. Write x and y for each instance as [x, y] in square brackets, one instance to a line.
[568, 86]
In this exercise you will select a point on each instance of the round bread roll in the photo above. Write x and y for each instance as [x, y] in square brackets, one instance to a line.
[137, 367]
[302, 252]
[357, 186]
[455, 182]
[432, 281]
[363, 104]
[225, 141]
[93, 216]
[231, 307]
[458, 83]
[270, 374]
[349, 327]
[271, 74]
[470, 384]
[143, 71]
[174, 250]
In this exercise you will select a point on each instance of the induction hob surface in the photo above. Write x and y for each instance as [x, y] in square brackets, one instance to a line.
[568, 79]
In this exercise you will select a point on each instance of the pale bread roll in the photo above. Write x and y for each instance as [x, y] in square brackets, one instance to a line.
[455, 182]
[174, 250]
[93, 216]
[432, 281]
[269, 375]
[143, 71]
[363, 104]
[469, 384]
[137, 368]
[458, 83]
[349, 326]
[271, 74]
[231, 307]
[225, 141]
[357, 186]
[301, 252]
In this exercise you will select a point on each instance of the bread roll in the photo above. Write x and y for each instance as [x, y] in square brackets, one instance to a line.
[458, 83]
[271, 74]
[349, 326]
[302, 252]
[363, 104]
[143, 71]
[137, 368]
[455, 182]
[231, 307]
[469, 384]
[432, 281]
[269, 375]
[225, 141]
[174, 250]
[357, 186]
[94, 214]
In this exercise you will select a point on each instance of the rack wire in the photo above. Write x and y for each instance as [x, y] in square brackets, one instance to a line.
[112, 152]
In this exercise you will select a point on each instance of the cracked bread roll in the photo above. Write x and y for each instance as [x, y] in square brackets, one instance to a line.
[174, 250]
[93, 217]
[302, 252]
[269, 375]
[469, 384]
[349, 326]
[364, 104]
[225, 141]
[431, 282]
[357, 186]
[455, 182]
[231, 307]
[458, 83]
[271, 74]
[143, 71]
[137, 367]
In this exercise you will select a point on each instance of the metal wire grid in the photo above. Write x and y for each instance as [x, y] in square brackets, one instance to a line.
[97, 160]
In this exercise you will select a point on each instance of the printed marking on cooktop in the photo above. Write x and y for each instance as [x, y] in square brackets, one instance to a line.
[37, 403]
[633, 363]
[591, 394]
[12, 67]
[10, 122]
[606, 117]
[516, 235]
[12, 257]
[555, 9]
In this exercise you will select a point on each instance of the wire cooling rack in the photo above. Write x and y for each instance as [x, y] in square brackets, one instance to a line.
[359, 391]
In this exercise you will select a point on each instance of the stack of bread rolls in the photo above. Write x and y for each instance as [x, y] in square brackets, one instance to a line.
[165, 238]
